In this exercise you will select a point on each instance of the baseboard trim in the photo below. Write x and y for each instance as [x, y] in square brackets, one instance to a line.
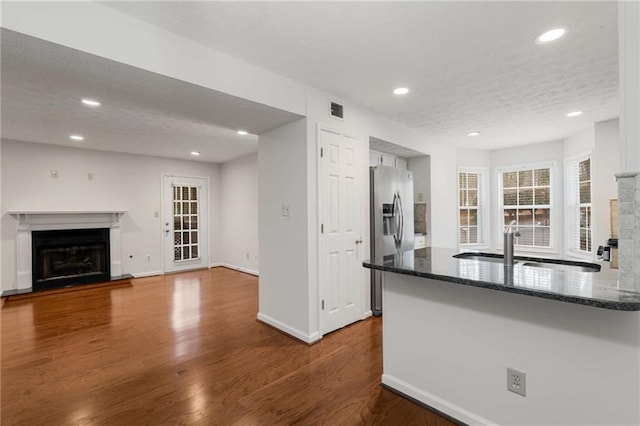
[293, 332]
[146, 274]
[367, 314]
[237, 268]
[443, 407]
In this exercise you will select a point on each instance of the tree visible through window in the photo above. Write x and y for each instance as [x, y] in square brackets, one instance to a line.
[526, 198]
[468, 202]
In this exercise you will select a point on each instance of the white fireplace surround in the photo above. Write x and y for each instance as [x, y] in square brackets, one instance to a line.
[29, 221]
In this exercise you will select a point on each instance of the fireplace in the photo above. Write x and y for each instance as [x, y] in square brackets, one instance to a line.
[67, 257]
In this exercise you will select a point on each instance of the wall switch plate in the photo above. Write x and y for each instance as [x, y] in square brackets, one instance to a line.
[420, 196]
[516, 382]
[54, 174]
[285, 210]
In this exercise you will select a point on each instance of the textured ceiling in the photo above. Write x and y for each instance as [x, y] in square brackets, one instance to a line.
[470, 65]
[141, 113]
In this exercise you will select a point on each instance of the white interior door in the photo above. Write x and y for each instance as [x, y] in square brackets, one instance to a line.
[341, 278]
[185, 223]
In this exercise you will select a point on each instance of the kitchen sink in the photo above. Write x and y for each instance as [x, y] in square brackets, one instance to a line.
[534, 262]
[480, 257]
[565, 267]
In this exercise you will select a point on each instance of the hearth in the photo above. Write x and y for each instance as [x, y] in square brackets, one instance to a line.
[70, 257]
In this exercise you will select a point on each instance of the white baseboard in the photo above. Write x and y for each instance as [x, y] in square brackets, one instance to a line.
[367, 314]
[237, 268]
[433, 401]
[146, 274]
[307, 338]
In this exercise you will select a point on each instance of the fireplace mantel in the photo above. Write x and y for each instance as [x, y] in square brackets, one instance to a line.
[37, 220]
[43, 220]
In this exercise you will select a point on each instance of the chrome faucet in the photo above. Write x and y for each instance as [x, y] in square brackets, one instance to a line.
[509, 235]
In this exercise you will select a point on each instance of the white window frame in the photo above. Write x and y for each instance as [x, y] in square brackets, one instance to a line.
[484, 222]
[553, 206]
[572, 207]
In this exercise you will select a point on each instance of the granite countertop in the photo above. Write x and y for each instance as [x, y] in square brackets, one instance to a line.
[597, 289]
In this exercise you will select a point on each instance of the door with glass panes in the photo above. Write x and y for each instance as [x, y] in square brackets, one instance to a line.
[185, 223]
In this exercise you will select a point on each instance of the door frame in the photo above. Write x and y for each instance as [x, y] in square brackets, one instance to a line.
[364, 211]
[163, 218]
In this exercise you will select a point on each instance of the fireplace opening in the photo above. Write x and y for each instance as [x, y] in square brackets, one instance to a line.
[70, 257]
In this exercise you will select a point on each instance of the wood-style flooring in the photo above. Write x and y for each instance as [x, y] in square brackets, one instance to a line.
[185, 349]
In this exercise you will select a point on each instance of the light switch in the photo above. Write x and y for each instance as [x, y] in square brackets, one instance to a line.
[285, 210]
[420, 196]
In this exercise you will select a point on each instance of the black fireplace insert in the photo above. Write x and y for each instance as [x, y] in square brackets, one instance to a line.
[62, 258]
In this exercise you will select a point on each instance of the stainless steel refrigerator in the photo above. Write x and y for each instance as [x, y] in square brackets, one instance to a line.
[391, 221]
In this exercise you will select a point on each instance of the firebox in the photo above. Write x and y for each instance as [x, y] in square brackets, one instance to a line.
[68, 257]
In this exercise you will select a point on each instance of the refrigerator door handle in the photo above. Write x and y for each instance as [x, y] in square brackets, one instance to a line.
[395, 219]
[401, 208]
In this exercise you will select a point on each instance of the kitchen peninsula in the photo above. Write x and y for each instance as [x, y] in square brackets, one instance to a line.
[452, 326]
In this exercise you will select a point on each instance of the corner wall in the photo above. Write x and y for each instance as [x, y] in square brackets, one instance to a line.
[239, 214]
[121, 181]
[283, 240]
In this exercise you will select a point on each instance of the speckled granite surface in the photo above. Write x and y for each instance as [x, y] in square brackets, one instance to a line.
[597, 289]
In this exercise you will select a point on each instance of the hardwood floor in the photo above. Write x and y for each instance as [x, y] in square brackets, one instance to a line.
[185, 349]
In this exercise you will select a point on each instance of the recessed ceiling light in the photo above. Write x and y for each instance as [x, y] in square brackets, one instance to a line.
[551, 35]
[91, 102]
[76, 137]
[196, 153]
[473, 133]
[243, 132]
[400, 91]
[574, 114]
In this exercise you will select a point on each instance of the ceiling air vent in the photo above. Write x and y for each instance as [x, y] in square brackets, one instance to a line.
[337, 110]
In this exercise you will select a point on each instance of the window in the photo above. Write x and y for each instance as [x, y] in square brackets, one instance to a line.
[579, 208]
[526, 198]
[186, 211]
[471, 191]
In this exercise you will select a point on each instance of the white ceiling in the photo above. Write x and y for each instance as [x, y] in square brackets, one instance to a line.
[142, 112]
[470, 65]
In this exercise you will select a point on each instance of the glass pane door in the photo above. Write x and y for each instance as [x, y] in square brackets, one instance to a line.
[186, 215]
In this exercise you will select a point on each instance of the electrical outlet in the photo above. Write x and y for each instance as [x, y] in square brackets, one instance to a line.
[248, 256]
[516, 382]
[148, 258]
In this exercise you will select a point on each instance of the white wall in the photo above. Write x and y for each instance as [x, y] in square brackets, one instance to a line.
[283, 243]
[121, 182]
[580, 142]
[239, 214]
[606, 162]
[582, 363]
[474, 157]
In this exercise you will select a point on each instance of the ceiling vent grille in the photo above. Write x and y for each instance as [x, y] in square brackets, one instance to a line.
[336, 110]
